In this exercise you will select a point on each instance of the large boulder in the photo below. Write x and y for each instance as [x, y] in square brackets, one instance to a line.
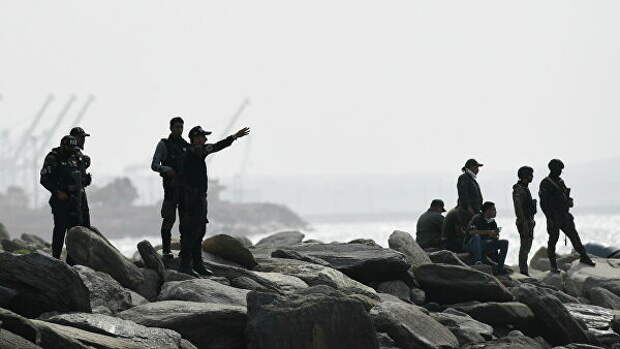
[397, 288]
[410, 327]
[229, 248]
[284, 283]
[282, 239]
[404, 243]
[35, 241]
[465, 328]
[206, 325]
[556, 324]
[514, 314]
[603, 298]
[579, 273]
[151, 284]
[88, 248]
[151, 258]
[43, 284]
[446, 257]
[597, 320]
[552, 291]
[611, 285]
[104, 290]
[9, 340]
[514, 340]
[364, 263]
[317, 317]
[203, 290]
[291, 254]
[449, 284]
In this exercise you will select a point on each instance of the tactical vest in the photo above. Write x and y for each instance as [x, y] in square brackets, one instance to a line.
[175, 153]
[68, 172]
[195, 173]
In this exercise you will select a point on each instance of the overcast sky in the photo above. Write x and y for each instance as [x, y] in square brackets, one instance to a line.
[336, 87]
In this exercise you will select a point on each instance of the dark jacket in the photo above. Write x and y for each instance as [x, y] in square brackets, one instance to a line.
[555, 200]
[62, 172]
[169, 154]
[428, 229]
[469, 193]
[525, 207]
[194, 175]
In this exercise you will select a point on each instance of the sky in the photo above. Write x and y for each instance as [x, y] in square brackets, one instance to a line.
[335, 87]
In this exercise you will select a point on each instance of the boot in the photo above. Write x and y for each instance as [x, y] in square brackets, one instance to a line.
[165, 248]
[201, 270]
[185, 266]
[585, 259]
[554, 265]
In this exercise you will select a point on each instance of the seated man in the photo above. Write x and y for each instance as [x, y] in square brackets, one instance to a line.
[428, 229]
[453, 229]
[483, 237]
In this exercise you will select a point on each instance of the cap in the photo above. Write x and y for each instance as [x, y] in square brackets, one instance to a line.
[471, 163]
[70, 141]
[197, 130]
[438, 203]
[78, 131]
[556, 163]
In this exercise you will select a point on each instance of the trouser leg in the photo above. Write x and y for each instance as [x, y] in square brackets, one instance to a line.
[553, 230]
[568, 227]
[526, 234]
[168, 214]
[61, 222]
[474, 247]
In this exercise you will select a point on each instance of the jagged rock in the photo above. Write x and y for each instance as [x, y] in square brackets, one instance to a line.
[247, 284]
[104, 290]
[151, 285]
[9, 340]
[514, 340]
[229, 248]
[290, 254]
[417, 296]
[396, 288]
[43, 284]
[151, 258]
[141, 336]
[557, 325]
[611, 285]
[369, 242]
[247, 243]
[232, 272]
[314, 275]
[603, 298]
[206, 325]
[35, 241]
[615, 323]
[449, 284]
[282, 239]
[540, 260]
[88, 248]
[466, 329]
[317, 317]
[4, 233]
[285, 283]
[136, 299]
[598, 321]
[360, 262]
[579, 274]
[410, 327]
[404, 243]
[385, 341]
[563, 297]
[446, 257]
[203, 290]
[514, 314]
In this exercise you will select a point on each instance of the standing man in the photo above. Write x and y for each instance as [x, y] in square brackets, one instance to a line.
[525, 209]
[62, 176]
[84, 163]
[167, 161]
[193, 204]
[483, 237]
[470, 197]
[428, 228]
[556, 202]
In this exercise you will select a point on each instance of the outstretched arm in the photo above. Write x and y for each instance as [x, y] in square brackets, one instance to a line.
[226, 142]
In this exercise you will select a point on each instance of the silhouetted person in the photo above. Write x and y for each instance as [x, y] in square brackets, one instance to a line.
[167, 161]
[80, 135]
[428, 227]
[556, 202]
[453, 230]
[61, 175]
[470, 196]
[483, 237]
[525, 209]
[193, 204]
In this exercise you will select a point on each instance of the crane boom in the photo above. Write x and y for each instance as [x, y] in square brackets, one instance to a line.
[59, 118]
[233, 120]
[25, 137]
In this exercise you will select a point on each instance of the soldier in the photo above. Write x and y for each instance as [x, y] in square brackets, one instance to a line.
[470, 197]
[167, 161]
[525, 209]
[193, 205]
[87, 179]
[556, 203]
[62, 176]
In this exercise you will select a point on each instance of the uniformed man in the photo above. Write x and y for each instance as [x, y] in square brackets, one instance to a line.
[87, 179]
[525, 209]
[167, 162]
[62, 176]
[556, 202]
[193, 205]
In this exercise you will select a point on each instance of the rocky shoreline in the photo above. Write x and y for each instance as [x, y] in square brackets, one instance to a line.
[287, 293]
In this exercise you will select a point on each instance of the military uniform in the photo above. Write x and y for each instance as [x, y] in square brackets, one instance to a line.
[525, 209]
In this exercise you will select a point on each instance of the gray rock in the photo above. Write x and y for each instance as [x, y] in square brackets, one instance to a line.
[369, 242]
[282, 239]
[514, 314]
[173, 275]
[247, 284]
[43, 284]
[611, 285]
[104, 290]
[418, 296]
[229, 248]
[88, 248]
[604, 298]
[151, 285]
[592, 316]
[615, 323]
[245, 242]
[232, 272]
[404, 243]
[16, 245]
[557, 325]
[410, 327]
[396, 288]
[290, 254]
[4, 233]
[552, 291]
[446, 257]
[284, 283]
[465, 328]
[35, 241]
[151, 258]
[9, 340]
[449, 284]
[385, 341]
[514, 340]
[136, 299]
[318, 317]
[203, 290]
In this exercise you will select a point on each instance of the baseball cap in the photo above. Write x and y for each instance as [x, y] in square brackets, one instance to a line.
[197, 130]
[78, 131]
[472, 162]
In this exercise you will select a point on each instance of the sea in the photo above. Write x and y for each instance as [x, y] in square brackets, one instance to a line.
[603, 229]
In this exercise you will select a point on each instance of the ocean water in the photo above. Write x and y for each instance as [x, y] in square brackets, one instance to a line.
[603, 229]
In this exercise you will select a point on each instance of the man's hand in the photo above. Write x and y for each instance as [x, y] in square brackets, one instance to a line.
[242, 132]
[61, 195]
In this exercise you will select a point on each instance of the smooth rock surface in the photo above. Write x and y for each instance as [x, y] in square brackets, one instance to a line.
[514, 340]
[499, 314]
[281, 239]
[151, 258]
[446, 257]
[104, 290]
[404, 243]
[465, 328]
[203, 290]
[229, 248]
[151, 284]
[397, 288]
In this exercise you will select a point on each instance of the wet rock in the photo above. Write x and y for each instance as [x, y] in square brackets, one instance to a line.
[151, 258]
[104, 290]
[446, 257]
[557, 325]
[410, 327]
[290, 254]
[206, 325]
[88, 248]
[43, 284]
[591, 315]
[203, 290]
[615, 323]
[35, 241]
[449, 284]
[404, 243]
[514, 314]
[282, 239]
[611, 285]
[514, 340]
[229, 248]
[603, 298]
[317, 317]
[465, 328]
[396, 288]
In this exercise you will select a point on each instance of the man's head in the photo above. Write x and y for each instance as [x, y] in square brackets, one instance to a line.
[176, 126]
[198, 136]
[556, 166]
[80, 135]
[526, 174]
[488, 210]
[437, 206]
[69, 144]
[472, 165]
